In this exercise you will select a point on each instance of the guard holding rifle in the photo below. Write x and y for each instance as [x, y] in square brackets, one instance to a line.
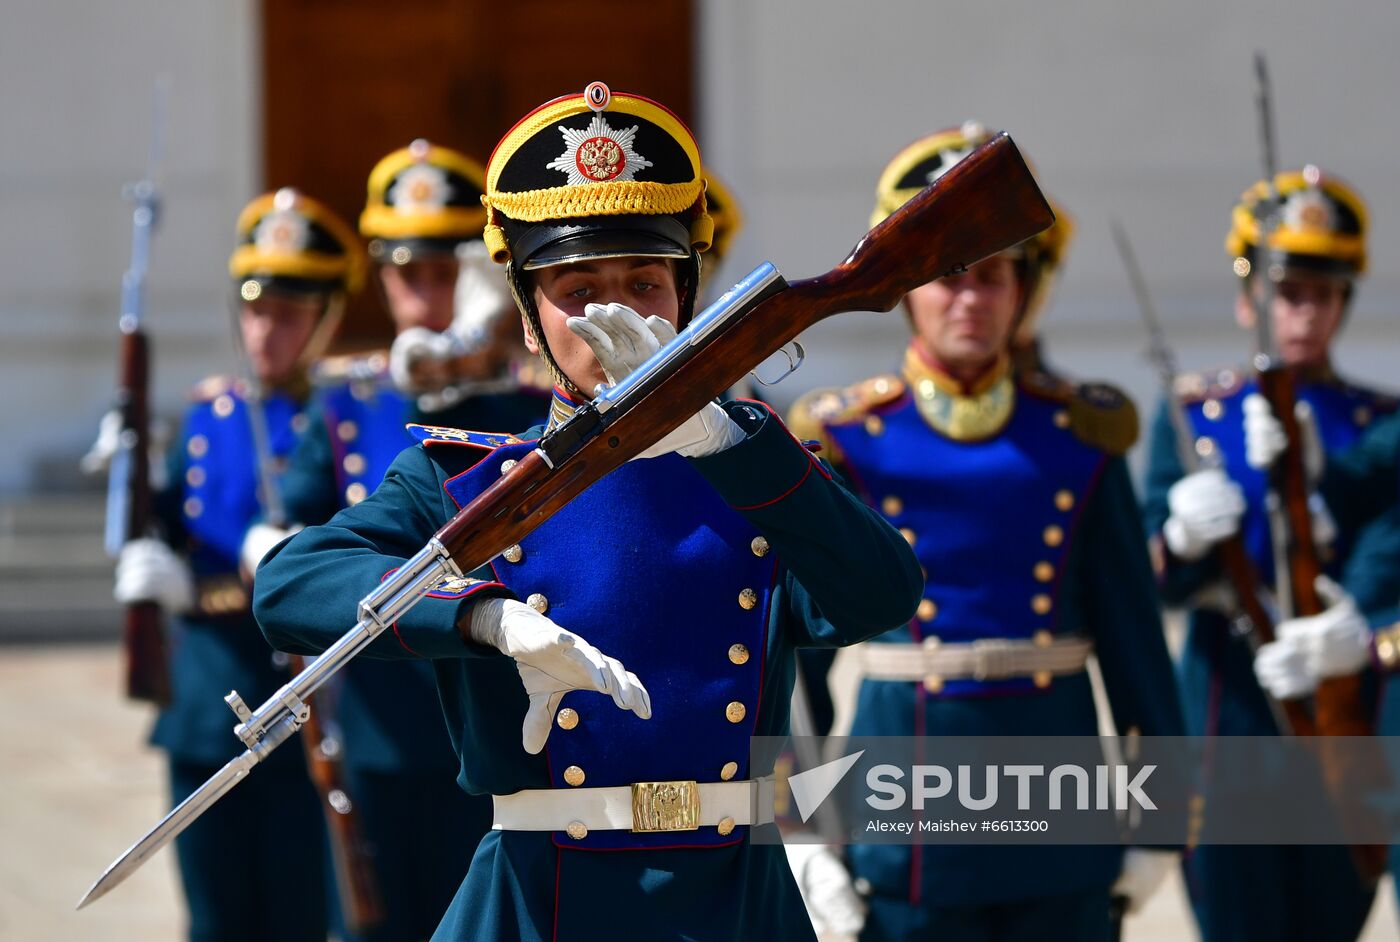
[293, 265]
[700, 565]
[1313, 257]
[446, 298]
[1010, 485]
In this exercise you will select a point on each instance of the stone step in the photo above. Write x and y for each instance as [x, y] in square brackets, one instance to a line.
[55, 577]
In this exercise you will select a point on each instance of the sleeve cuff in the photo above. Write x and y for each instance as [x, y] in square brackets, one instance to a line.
[429, 629]
[768, 465]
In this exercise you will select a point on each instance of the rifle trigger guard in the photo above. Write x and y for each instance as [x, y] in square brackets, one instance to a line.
[795, 358]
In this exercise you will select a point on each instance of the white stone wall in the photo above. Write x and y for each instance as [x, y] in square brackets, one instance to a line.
[1135, 110]
[76, 83]
[1140, 111]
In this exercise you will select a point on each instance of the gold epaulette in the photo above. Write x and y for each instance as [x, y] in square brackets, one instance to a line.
[211, 388]
[1209, 384]
[1103, 416]
[814, 411]
[1100, 415]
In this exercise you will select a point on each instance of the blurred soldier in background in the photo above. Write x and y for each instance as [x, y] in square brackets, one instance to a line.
[253, 867]
[1259, 892]
[423, 221]
[1011, 486]
[729, 222]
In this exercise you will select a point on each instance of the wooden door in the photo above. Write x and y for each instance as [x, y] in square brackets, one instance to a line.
[347, 81]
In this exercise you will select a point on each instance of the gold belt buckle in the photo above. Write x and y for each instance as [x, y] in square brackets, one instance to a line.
[665, 806]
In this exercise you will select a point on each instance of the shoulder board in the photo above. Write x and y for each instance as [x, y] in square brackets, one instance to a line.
[442, 435]
[1103, 417]
[1219, 383]
[1047, 385]
[836, 406]
[1379, 400]
[369, 366]
[211, 388]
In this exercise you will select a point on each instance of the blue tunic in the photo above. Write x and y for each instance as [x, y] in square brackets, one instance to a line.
[233, 860]
[657, 565]
[1027, 531]
[401, 771]
[1264, 892]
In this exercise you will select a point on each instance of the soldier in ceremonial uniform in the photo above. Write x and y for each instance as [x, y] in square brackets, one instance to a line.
[699, 566]
[423, 220]
[1241, 892]
[1358, 486]
[252, 867]
[1012, 489]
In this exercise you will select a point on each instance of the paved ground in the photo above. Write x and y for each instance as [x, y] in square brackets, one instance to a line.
[79, 786]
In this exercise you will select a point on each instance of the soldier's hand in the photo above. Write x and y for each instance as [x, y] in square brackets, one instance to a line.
[1335, 643]
[1143, 872]
[623, 340]
[552, 662]
[834, 906]
[421, 359]
[149, 571]
[109, 441]
[1264, 439]
[260, 538]
[1206, 508]
[481, 298]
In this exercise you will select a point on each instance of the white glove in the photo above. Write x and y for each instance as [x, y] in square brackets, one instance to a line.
[415, 346]
[1336, 643]
[481, 297]
[622, 341]
[1264, 439]
[836, 909]
[1143, 873]
[109, 441]
[551, 662]
[260, 538]
[1206, 508]
[149, 571]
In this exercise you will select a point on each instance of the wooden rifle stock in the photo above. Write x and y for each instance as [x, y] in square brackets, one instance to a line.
[1339, 706]
[143, 640]
[986, 203]
[361, 905]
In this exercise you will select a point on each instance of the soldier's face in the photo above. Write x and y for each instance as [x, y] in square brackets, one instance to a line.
[647, 285]
[275, 329]
[1308, 309]
[420, 293]
[965, 321]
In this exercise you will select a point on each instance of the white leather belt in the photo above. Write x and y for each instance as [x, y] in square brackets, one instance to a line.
[985, 659]
[643, 807]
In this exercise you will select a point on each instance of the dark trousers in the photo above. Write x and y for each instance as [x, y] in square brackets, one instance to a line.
[253, 866]
[1276, 894]
[1077, 917]
[422, 830]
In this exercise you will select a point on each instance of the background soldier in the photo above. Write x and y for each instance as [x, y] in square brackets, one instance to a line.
[253, 867]
[423, 212]
[685, 565]
[1257, 892]
[1012, 489]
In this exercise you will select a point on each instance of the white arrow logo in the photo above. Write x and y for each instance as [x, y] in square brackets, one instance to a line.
[810, 788]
